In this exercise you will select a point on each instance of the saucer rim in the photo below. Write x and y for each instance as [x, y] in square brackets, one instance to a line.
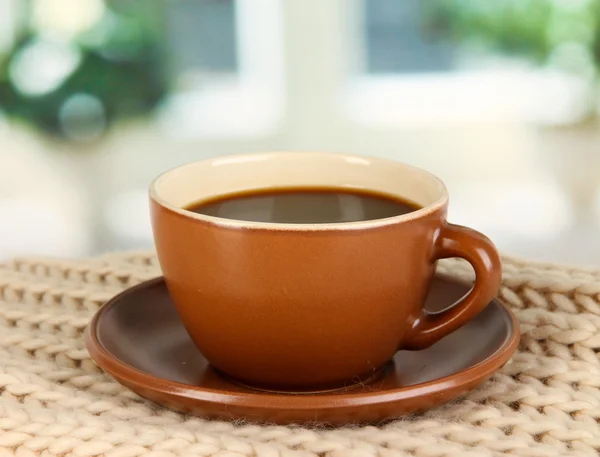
[132, 376]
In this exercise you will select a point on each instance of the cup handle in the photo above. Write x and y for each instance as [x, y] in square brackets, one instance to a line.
[479, 251]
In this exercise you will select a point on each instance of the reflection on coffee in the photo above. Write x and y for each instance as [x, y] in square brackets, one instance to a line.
[304, 206]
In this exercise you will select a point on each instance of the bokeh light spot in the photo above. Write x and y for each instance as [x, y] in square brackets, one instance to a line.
[82, 117]
[42, 66]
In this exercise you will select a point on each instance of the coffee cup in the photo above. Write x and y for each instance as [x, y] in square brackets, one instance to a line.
[293, 305]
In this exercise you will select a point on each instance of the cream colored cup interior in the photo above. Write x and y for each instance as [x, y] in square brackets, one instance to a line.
[206, 179]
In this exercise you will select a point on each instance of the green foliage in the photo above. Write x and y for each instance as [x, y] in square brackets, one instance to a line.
[533, 29]
[122, 66]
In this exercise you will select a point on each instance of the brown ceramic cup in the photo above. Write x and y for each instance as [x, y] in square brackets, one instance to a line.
[311, 306]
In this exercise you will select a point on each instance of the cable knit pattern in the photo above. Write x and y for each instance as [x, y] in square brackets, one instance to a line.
[54, 401]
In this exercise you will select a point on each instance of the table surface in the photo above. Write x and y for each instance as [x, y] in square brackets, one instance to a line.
[55, 401]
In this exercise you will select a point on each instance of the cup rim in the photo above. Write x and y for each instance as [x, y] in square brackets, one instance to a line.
[283, 226]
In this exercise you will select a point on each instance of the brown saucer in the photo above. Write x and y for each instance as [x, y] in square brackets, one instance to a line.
[138, 338]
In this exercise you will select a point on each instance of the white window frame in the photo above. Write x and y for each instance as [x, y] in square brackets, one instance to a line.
[530, 96]
[248, 104]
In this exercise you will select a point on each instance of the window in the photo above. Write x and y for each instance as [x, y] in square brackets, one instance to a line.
[413, 70]
[226, 66]
[397, 41]
[202, 35]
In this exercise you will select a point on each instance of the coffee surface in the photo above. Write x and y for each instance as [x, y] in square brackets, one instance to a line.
[304, 206]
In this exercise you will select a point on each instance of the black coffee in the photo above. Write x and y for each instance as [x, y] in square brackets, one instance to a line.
[304, 206]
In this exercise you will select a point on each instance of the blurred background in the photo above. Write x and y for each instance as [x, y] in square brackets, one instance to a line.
[498, 98]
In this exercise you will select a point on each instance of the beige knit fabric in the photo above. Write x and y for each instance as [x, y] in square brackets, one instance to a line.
[54, 401]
